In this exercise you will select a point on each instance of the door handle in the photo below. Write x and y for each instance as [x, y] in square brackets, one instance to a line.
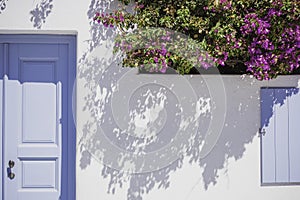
[10, 174]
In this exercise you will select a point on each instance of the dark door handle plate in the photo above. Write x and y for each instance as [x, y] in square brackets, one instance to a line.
[10, 174]
[11, 164]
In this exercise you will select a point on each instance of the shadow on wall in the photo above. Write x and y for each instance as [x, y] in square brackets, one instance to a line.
[136, 144]
[136, 138]
[272, 98]
[98, 32]
[40, 13]
[144, 127]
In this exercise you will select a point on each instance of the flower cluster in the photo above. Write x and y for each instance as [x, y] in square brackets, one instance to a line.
[289, 45]
[154, 59]
[109, 20]
[259, 35]
[261, 47]
[266, 61]
[225, 4]
[156, 50]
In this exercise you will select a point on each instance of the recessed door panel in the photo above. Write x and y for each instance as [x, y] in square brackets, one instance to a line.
[38, 69]
[40, 117]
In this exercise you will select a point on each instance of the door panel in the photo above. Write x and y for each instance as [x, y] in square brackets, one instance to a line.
[36, 62]
[38, 69]
[39, 113]
[33, 138]
[37, 133]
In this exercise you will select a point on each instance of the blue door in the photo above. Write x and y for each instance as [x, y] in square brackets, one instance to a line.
[38, 131]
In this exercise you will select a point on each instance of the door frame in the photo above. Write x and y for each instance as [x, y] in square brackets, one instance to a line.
[59, 37]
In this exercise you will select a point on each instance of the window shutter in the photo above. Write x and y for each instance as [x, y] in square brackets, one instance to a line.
[280, 144]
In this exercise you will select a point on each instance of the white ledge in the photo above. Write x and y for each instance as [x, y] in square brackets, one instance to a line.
[46, 32]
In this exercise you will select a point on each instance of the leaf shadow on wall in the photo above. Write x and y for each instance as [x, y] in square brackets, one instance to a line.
[40, 13]
[101, 127]
[272, 98]
[98, 32]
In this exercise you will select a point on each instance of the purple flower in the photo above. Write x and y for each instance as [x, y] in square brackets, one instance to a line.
[221, 62]
[271, 12]
[163, 69]
[205, 65]
[225, 55]
[200, 58]
[129, 47]
[163, 50]
[265, 44]
[288, 51]
[166, 38]
[121, 18]
[236, 45]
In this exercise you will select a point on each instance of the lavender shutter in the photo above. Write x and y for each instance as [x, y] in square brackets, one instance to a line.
[280, 109]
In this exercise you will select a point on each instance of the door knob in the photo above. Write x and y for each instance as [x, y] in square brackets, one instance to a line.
[11, 175]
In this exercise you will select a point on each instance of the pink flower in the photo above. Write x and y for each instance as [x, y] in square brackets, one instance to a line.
[121, 18]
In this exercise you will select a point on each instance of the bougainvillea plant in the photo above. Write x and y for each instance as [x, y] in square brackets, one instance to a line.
[261, 35]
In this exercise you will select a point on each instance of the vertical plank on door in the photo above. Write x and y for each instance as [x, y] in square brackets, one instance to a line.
[267, 140]
[281, 136]
[1, 157]
[12, 125]
[1, 60]
[294, 137]
[1, 113]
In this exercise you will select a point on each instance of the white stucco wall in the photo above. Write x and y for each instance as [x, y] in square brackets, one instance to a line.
[221, 161]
